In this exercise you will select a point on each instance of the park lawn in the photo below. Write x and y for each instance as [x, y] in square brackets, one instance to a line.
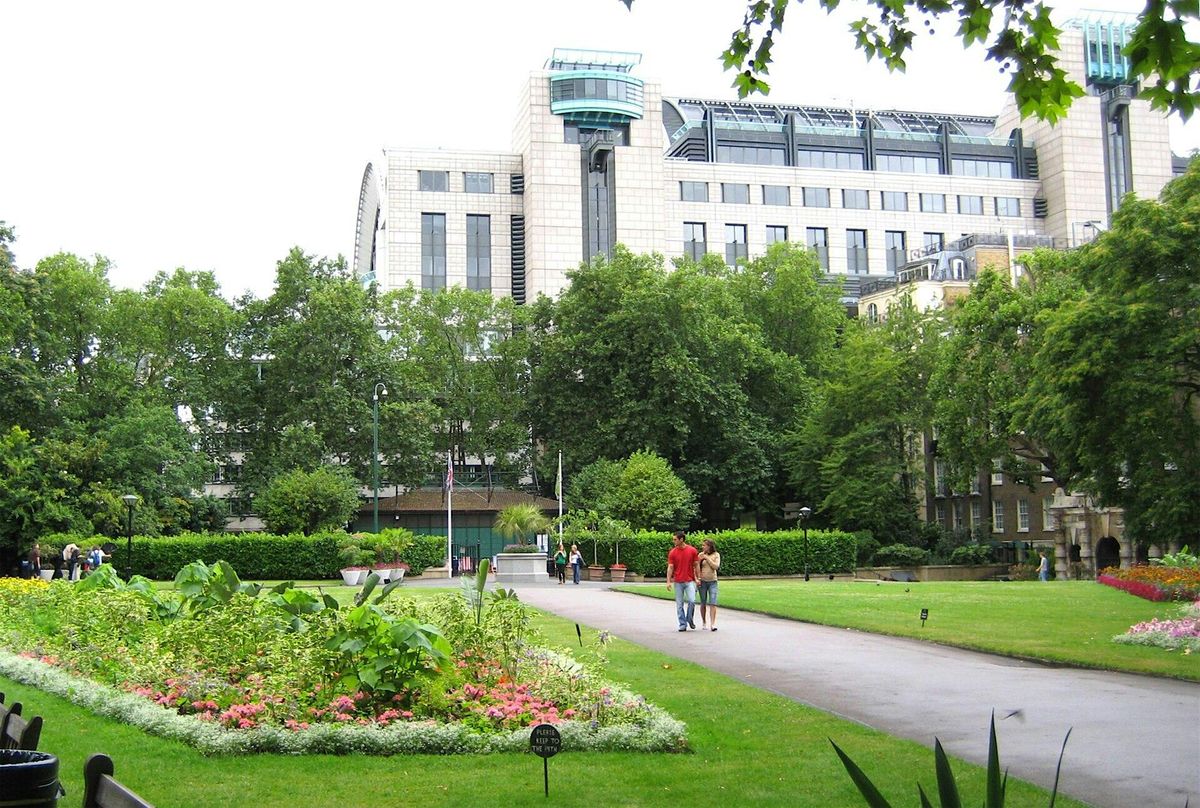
[1066, 622]
[749, 747]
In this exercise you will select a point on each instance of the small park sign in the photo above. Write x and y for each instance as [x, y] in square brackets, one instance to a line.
[545, 742]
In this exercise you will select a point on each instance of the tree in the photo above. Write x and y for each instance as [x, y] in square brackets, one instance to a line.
[1115, 382]
[521, 521]
[854, 455]
[650, 496]
[308, 502]
[1018, 35]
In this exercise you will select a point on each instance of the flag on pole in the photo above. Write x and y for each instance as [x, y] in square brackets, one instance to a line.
[558, 480]
[449, 471]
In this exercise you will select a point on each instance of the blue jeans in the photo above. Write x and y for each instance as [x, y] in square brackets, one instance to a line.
[687, 590]
[575, 572]
[1043, 575]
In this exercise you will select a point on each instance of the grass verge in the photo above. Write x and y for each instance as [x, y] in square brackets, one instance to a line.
[1067, 622]
[749, 748]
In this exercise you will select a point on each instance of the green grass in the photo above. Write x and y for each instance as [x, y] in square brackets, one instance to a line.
[1069, 622]
[750, 747]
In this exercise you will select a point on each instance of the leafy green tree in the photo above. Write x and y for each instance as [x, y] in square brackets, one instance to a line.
[855, 454]
[1018, 35]
[308, 502]
[650, 496]
[7, 236]
[592, 486]
[1115, 382]
[520, 521]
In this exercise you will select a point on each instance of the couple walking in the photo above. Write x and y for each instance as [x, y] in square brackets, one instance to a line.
[685, 568]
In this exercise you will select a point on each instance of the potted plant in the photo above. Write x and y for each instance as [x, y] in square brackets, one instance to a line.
[617, 571]
[356, 560]
[521, 562]
[389, 545]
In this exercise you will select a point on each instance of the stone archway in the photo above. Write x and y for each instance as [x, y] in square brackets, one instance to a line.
[1108, 553]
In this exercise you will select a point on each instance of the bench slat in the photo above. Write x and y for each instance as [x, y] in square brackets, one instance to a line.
[111, 794]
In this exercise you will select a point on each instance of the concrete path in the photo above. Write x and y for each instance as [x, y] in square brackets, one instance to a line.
[1135, 739]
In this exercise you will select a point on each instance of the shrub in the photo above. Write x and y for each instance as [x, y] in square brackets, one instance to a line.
[971, 554]
[901, 555]
[866, 547]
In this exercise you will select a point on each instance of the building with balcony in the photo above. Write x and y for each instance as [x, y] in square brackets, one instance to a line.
[600, 155]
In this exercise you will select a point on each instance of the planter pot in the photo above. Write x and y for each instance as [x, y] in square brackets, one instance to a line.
[353, 577]
[618, 574]
[45, 575]
[595, 572]
[520, 568]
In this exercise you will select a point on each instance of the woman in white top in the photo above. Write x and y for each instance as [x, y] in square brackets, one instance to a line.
[576, 563]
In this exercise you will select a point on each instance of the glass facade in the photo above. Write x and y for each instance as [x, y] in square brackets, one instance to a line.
[817, 158]
[694, 244]
[434, 180]
[755, 155]
[735, 244]
[856, 252]
[908, 163]
[996, 169]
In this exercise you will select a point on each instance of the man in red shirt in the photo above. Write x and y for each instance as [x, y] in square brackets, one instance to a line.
[683, 570]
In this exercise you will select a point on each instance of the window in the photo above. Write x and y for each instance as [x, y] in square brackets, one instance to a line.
[434, 180]
[940, 510]
[693, 191]
[975, 483]
[818, 158]
[997, 516]
[853, 198]
[777, 195]
[941, 486]
[433, 251]
[970, 204]
[1047, 513]
[479, 251]
[934, 242]
[856, 252]
[894, 200]
[817, 239]
[735, 244]
[908, 164]
[1022, 516]
[755, 155]
[894, 249]
[735, 192]
[475, 182]
[776, 233]
[694, 245]
[957, 513]
[1008, 206]
[998, 471]
[997, 169]
[872, 313]
[933, 203]
[816, 197]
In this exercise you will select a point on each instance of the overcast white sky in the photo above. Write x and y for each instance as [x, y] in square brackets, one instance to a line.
[219, 135]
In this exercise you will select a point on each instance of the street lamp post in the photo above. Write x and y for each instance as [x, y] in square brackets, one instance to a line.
[130, 501]
[804, 514]
[379, 389]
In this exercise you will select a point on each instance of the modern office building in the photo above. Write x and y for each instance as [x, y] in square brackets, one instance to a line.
[601, 156]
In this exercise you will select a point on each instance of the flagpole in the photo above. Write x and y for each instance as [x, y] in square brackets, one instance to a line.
[449, 513]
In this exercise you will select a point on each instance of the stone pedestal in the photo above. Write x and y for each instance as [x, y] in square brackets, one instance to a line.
[520, 568]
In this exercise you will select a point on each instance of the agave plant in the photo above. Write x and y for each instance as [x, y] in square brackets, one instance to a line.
[997, 783]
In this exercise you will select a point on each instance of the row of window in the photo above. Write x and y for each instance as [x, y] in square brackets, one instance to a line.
[854, 161]
[738, 193]
[895, 244]
[955, 517]
[474, 182]
[433, 251]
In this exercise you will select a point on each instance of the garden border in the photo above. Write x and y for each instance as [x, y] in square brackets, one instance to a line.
[660, 733]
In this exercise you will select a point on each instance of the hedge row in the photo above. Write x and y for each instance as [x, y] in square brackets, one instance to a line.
[255, 555]
[743, 552]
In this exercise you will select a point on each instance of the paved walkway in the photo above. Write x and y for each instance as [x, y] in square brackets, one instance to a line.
[1135, 739]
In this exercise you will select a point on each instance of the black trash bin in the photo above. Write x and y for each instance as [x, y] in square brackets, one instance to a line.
[29, 779]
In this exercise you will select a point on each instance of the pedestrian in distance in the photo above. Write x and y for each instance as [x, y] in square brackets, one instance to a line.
[560, 564]
[576, 564]
[683, 568]
[710, 562]
[1043, 567]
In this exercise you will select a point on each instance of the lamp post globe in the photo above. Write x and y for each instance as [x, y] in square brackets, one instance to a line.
[805, 512]
[130, 501]
[379, 390]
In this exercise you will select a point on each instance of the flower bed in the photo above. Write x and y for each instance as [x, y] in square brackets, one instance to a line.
[228, 668]
[1181, 634]
[1154, 583]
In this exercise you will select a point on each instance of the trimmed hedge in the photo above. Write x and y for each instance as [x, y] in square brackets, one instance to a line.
[256, 555]
[901, 555]
[743, 552]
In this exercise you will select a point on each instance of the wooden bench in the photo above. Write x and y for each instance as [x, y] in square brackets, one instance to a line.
[100, 790]
[5, 712]
[17, 733]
